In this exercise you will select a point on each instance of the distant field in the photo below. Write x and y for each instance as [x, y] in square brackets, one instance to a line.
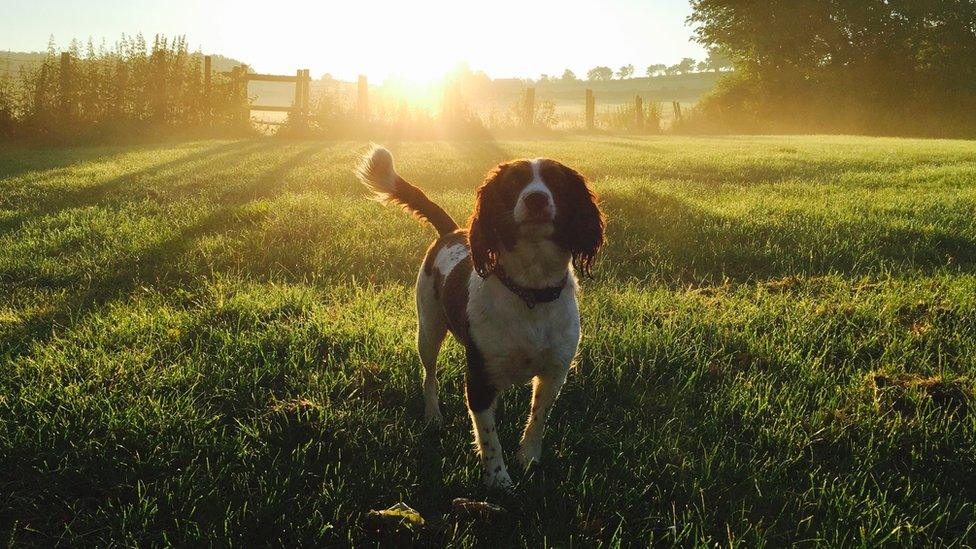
[683, 87]
[211, 342]
[500, 96]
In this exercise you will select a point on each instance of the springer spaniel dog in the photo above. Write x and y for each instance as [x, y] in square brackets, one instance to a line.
[505, 287]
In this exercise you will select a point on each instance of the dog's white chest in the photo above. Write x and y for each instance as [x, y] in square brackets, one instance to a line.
[519, 343]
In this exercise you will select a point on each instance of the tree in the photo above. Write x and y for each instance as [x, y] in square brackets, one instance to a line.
[625, 72]
[656, 69]
[686, 65]
[717, 61]
[875, 58]
[544, 78]
[569, 76]
[600, 73]
[818, 36]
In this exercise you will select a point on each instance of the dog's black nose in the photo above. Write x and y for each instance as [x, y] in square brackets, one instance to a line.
[536, 201]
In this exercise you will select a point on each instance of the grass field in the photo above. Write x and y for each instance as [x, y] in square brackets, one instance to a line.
[211, 342]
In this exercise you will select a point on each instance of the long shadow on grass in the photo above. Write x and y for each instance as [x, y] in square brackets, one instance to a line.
[90, 478]
[28, 276]
[153, 265]
[81, 487]
[51, 202]
[17, 160]
[657, 236]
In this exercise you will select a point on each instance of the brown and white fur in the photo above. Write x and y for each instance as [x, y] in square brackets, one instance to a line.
[536, 221]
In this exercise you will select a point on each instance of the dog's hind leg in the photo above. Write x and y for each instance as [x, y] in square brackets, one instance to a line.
[431, 330]
[429, 339]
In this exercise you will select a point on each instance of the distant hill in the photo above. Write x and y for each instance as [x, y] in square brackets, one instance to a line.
[12, 61]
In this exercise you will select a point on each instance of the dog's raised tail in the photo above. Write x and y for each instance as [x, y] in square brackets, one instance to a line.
[377, 173]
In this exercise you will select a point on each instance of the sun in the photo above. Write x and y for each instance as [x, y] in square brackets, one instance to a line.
[416, 43]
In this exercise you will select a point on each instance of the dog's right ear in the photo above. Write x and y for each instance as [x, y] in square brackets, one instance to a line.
[483, 230]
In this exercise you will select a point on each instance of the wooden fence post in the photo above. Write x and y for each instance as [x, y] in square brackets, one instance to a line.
[235, 73]
[299, 104]
[590, 109]
[528, 114]
[639, 113]
[207, 88]
[207, 75]
[239, 76]
[362, 98]
[307, 93]
[67, 94]
[247, 103]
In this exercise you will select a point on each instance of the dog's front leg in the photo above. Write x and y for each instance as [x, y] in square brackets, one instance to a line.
[489, 448]
[545, 389]
[481, 398]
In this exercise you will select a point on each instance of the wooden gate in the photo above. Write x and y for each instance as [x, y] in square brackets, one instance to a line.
[297, 112]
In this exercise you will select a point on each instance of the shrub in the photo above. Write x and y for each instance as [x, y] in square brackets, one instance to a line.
[624, 118]
[131, 88]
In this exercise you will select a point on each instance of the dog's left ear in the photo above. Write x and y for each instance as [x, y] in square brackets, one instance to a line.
[484, 232]
[580, 223]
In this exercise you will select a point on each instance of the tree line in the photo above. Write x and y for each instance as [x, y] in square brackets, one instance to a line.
[716, 61]
[870, 66]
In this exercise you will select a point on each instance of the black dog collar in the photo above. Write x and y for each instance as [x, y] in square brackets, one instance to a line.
[531, 296]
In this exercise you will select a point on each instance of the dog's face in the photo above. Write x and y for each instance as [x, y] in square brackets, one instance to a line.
[535, 200]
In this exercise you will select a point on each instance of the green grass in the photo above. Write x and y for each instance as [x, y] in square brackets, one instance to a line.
[211, 342]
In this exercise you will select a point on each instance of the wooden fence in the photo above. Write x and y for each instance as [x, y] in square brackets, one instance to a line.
[527, 110]
[299, 110]
[239, 76]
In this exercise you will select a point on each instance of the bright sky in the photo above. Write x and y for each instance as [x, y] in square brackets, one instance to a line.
[418, 39]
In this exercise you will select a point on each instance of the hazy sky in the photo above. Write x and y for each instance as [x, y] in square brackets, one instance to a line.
[420, 39]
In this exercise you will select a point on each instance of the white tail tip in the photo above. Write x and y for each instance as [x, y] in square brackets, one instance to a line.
[376, 171]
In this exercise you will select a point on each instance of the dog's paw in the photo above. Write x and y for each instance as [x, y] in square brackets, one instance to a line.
[498, 480]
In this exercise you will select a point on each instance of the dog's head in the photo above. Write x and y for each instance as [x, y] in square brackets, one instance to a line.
[535, 200]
